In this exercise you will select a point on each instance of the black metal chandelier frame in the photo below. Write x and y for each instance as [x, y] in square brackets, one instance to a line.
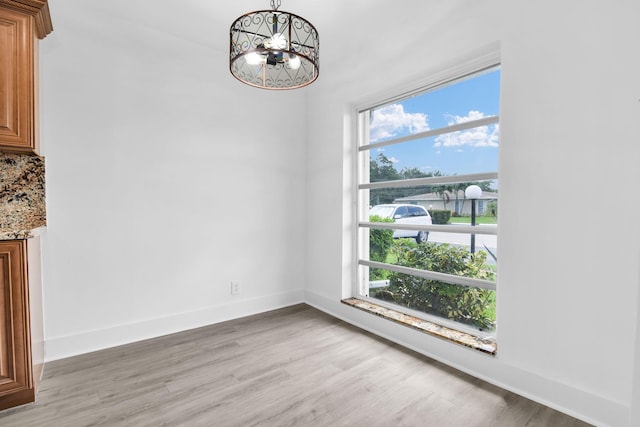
[272, 49]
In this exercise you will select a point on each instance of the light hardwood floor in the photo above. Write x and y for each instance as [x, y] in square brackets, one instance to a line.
[291, 367]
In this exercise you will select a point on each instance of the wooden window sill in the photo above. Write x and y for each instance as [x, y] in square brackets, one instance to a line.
[483, 345]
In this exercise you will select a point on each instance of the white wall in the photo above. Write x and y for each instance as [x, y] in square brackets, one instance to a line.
[570, 128]
[166, 180]
[634, 415]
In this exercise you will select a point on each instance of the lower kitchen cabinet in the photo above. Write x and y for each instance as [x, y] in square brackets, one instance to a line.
[21, 326]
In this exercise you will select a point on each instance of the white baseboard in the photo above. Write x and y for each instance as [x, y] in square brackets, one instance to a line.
[593, 409]
[86, 342]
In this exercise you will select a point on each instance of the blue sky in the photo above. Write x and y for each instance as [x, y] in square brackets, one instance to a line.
[470, 151]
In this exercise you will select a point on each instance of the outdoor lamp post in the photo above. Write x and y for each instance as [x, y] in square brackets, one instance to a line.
[473, 192]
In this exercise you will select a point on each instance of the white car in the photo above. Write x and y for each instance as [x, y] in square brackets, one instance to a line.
[405, 214]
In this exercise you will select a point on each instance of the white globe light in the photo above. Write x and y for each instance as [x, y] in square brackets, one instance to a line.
[473, 192]
[254, 58]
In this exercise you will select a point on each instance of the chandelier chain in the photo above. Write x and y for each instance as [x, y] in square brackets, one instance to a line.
[275, 4]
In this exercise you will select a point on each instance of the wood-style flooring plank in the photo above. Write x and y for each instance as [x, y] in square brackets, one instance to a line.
[291, 367]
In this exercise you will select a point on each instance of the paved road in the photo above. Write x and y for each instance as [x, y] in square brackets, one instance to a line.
[491, 241]
[463, 239]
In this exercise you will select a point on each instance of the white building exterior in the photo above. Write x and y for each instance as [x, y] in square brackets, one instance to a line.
[451, 200]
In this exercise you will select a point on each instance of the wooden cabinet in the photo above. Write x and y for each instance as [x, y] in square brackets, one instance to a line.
[22, 23]
[17, 106]
[21, 340]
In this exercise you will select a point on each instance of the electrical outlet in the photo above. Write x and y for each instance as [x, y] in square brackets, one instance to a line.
[235, 288]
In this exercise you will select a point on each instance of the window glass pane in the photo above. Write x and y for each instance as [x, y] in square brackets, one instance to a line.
[465, 100]
[474, 307]
[472, 151]
[456, 252]
[449, 197]
[435, 251]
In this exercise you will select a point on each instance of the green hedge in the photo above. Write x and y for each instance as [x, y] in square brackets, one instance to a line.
[474, 306]
[439, 216]
[380, 242]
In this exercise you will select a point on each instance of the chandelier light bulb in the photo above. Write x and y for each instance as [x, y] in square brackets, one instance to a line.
[294, 61]
[254, 58]
[277, 41]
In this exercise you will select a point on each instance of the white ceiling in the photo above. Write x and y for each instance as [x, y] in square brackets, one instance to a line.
[350, 30]
[341, 24]
[204, 20]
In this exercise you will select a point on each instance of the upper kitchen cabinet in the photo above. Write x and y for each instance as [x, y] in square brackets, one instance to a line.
[22, 24]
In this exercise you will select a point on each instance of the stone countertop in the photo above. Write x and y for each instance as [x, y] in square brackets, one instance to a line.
[22, 196]
[485, 345]
[21, 234]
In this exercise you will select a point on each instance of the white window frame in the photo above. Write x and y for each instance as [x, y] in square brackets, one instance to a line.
[361, 198]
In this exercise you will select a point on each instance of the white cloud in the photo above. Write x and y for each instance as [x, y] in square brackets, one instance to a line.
[389, 121]
[482, 136]
[394, 160]
[473, 115]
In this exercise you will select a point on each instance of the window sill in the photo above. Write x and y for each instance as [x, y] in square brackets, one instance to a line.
[476, 343]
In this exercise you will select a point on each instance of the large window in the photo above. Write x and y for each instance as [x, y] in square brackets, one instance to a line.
[427, 202]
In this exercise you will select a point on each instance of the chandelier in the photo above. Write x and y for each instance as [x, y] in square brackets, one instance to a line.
[272, 49]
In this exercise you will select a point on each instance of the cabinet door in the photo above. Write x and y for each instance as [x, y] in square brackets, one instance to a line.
[16, 383]
[17, 102]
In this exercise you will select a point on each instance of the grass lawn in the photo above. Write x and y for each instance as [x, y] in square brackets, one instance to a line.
[467, 220]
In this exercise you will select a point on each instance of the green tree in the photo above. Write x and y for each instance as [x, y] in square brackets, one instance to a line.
[382, 168]
[410, 173]
[446, 191]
